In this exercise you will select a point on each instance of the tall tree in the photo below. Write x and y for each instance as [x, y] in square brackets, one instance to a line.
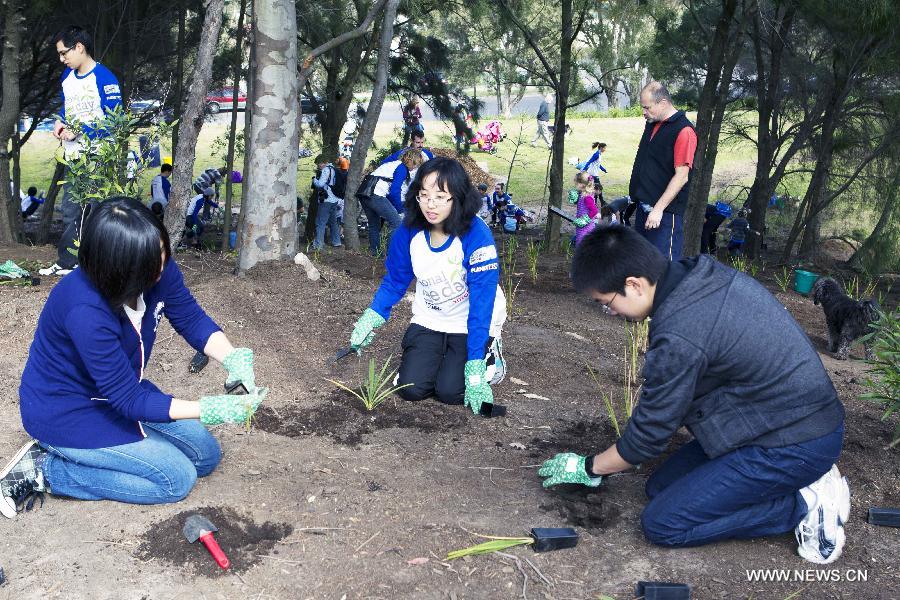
[270, 221]
[232, 131]
[9, 116]
[192, 120]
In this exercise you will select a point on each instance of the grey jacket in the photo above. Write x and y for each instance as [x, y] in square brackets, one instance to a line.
[728, 361]
[543, 113]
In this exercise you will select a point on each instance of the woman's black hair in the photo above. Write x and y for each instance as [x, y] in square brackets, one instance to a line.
[609, 255]
[121, 250]
[32, 191]
[450, 177]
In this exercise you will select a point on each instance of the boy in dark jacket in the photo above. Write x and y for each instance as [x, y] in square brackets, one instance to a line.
[727, 361]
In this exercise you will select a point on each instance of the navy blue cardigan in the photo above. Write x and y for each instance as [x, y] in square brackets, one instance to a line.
[83, 384]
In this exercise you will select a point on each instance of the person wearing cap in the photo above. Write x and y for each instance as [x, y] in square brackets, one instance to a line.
[194, 222]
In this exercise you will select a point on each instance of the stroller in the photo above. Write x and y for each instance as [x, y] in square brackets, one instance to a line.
[489, 136]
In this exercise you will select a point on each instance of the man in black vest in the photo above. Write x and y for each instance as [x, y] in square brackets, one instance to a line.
[660, 178]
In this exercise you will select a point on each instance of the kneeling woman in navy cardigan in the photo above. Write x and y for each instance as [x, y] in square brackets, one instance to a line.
[102, 431]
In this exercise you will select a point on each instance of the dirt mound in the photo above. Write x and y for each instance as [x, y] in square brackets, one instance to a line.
[243, 541]
[346, 421]
[476, 174]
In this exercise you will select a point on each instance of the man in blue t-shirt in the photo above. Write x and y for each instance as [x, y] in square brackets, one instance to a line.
[89, 91]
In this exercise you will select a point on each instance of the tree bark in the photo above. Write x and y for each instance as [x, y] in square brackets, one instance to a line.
[232, 132]
[43, 232]
[870, 245]
[248, 119]
[270, 221]
[179, 75]
[192, 121]
[367, 129]
[10, 216]
[714, 93]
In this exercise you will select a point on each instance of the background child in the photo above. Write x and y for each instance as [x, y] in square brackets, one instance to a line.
[459, 308]
[31, 202]
[585, 206]
[499, 196]
[485, 211]
[739, 227]
[593, 167]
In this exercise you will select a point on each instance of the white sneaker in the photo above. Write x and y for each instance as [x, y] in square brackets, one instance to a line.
[820, 534]
[54, 269]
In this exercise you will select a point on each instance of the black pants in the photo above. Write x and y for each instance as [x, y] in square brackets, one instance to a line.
[66, 248]
[433, 362]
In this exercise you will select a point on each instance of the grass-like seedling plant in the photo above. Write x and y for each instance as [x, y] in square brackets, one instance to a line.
[757, 267]
[607, 401]
[783, 279]
[884, 376]
[739, 263]
[508, 273]
[859, 290]
[533, 252]
[377, 388]
[636, 341]
[495, 544]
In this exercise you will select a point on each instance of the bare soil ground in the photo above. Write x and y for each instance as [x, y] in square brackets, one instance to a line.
[324, 500]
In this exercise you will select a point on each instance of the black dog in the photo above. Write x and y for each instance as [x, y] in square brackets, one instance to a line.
[847, 319]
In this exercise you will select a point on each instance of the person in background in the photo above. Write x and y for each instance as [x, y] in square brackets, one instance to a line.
[593, 166]
[451, 349]
[543, 122]
[386, 201]
[101, 430]
[211, 177]
[89, 92]
[31, 202]
[585, 205]
[740, 228]
[160, 188]
[463, 133]
[418, 143]
[412, 115]
[660, 178]
[766, 420]
[194, 221]
[499, 196]
[327, 214]
[485, 211]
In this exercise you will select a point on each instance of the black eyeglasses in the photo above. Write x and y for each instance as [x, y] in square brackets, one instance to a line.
[66, 51]
[606, 306]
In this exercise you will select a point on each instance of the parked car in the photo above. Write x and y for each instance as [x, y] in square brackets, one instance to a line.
[219, 100]
[152, 107]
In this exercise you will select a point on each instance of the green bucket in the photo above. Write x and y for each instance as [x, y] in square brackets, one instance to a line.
[803, 281]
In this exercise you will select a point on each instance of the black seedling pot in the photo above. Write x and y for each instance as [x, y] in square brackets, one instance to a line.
[237, 388]
[662, 590]
[35, 281]
[492, 410]
[886, 517]
[553, 538]
[2, 576]
[199, 361]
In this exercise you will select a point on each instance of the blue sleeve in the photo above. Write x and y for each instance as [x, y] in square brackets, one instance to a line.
[400, 174]
[482, 277]
[96, 337]
[108, 87]
[182, 310]
[198, 206]
[399, 273]
[428, 153]
[393, 157]
[212, 203]
[591, 160]
[601, 167]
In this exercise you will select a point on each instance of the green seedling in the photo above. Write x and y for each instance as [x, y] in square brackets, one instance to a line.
[858, 290]
[607, 401]
[783, 279]
[495, 544]
[533, 250]
[739, 263]
[508, 273]
[883, 382]
[376, 388]
[757, 268]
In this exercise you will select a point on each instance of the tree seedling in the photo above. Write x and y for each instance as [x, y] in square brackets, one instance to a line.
[542, 539]
[377, 388]
[783, 279]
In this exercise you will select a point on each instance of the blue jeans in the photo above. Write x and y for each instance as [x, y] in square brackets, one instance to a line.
[668, 237]
[377, 208]
[746, 493]
[161, 468]
[326, 216]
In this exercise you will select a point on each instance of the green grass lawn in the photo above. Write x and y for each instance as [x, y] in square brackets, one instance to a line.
[734, 166]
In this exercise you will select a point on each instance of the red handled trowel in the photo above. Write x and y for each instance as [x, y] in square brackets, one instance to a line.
[197, 527]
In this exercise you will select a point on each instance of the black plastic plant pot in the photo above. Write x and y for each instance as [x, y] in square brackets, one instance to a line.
[492, 410]
[236, 388]
[35, 281]
[662, 590]
[553, 538]
[199, 361]
[2, 576]
[886, 517]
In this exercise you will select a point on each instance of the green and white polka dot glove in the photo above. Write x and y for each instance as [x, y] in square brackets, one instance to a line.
[582, 221]
[230, 408]
[239, 364]
[478, 389]
[364, 330]
[567, 467]
[573, 196]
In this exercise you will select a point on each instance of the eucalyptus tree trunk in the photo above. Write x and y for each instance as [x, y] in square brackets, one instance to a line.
[367, 129]
[269, 227]
[192, 120]
[232, 131]
[9, 117]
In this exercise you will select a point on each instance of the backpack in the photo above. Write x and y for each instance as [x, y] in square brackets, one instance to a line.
[339, 187]
[367, 187]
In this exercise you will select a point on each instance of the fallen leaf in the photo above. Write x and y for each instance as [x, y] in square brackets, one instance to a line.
[518, 381]
[517, 446]
[417, 561]
[536, 397]
[311, 499]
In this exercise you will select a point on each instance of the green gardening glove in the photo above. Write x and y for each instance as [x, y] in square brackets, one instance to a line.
[567, 467]
[573, 196]
[239, 364]
[478, 390]
[582, 221]
[230, 408]
[364, 330]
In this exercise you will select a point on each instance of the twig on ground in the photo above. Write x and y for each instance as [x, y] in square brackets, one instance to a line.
[107, 542]
[536, 570]
[518, 562]
[284, 560]
[374, 535]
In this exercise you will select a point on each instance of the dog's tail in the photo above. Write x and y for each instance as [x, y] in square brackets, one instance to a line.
[871, 309]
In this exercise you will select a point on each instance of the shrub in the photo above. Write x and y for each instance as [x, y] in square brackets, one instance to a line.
[884, 383]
